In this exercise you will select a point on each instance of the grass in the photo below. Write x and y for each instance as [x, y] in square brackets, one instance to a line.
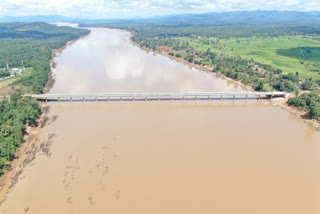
[7, 82]
[280, 52]
[311, 54]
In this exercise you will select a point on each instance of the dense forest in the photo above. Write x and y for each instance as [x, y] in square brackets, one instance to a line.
[213, 43]
[33, 43]
[14, 114]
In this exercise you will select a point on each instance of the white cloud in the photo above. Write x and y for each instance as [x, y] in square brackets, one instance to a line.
[132, 8]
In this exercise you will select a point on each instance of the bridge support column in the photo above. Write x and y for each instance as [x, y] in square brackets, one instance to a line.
[208, 97]
[158, 98]
[71, 99]
[96, 99]
[221, 97]
[82, 99]
[120, 98]
[133, 98]
[183, 98]
[196, 98]
[108, 99]
[234, 97]
[46, 100]
[259, 96]
[170, 98]
[145, 99]
[59, 99]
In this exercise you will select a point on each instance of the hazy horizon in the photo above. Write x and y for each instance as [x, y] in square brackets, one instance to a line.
[107, 9]
[152, 16]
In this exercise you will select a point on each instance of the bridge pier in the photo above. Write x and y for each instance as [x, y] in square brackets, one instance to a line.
[70, 99]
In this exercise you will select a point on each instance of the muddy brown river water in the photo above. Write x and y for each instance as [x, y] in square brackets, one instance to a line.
[204, 157]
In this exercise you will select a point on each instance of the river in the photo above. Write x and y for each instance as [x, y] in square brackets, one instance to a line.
[225, 157]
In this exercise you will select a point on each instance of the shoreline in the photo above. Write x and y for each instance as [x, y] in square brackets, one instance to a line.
[282, 103]
[191, 65]
[315, 124]
[25, 154]
[28, 148]
[51, 80]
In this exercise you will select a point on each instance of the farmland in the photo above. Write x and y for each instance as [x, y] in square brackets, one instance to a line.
[284, 52]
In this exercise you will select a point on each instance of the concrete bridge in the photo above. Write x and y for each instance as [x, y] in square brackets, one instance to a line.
[156, 96]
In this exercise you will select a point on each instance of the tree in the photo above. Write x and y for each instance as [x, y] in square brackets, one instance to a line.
[259, 86]
[306, 85]
[315, 110]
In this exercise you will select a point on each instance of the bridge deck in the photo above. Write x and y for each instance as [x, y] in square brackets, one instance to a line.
[158, 96]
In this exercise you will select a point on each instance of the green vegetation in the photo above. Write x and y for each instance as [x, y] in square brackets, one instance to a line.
[289, 53]
[307, 102]
[4, 74]
[266, 72]
[33, 43]
[14, 114]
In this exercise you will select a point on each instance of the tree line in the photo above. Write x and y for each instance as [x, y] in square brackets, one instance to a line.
[14, 115]
[33, 43]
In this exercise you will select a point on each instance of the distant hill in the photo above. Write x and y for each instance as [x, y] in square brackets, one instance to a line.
[214, 18]
[243, 17]
[32, 30]
[38, 18]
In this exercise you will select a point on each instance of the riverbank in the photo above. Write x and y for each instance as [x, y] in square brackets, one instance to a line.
[30, 147]
[283, 104]
[191, 65]
[51, 79]
[31, 144]
[23, 157]
[280, 102]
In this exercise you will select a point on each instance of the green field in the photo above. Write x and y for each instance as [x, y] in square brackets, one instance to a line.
[311, 54]
[289, 53]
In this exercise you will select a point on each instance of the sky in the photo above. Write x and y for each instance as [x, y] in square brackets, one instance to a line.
[144, 8]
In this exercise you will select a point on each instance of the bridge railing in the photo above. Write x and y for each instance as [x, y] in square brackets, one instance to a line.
[159, 96]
